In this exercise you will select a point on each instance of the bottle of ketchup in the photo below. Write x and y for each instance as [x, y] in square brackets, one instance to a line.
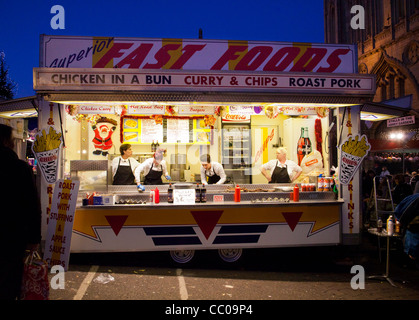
[296, 194]
[156, 196]
[237, 194]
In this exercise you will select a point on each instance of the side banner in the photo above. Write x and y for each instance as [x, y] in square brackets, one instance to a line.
[60, 225]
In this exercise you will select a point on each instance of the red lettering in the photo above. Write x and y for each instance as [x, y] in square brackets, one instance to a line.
[230, 54]
[350, 187]
[114, 52]
[254, 58]
[351, 206]
[282, 59]
[188, 52]
[334, 60]
[162, 56]
[309, 60]
[136, 57]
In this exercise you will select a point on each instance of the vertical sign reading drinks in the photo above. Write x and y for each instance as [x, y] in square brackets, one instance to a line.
[60, 225]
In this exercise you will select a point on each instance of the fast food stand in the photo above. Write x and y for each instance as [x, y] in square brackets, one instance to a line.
[180, 94]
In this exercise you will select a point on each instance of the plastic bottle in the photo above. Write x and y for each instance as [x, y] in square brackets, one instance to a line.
[151, 197]
[390, 226]
[397, 228]
[197, 194]
[170, 194]
[156, 196]
[320, 183]
[296, 194]
[237, 195]
[379, 225]
[203, 193]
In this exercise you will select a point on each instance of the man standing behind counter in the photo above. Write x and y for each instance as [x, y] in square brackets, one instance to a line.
[282, 170]
[211, 172]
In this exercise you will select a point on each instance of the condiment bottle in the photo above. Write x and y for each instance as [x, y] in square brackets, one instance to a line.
[170, 194]
[237, 194]
[151, 197]
[379, 225]
[397, 227]
[197, 194]
[296, 194]
[390, 226]
[156, 196]
[203, 193]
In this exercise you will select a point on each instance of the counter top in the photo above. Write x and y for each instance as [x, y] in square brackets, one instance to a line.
[165, 205]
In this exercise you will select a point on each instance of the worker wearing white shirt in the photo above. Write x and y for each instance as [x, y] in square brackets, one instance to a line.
[282, 170]
[123, 166]
[211, 172]
[153, 168]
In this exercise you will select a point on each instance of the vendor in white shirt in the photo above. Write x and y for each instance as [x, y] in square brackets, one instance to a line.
[281, 169]
[152, 168]
[123, 166]
[211, 172]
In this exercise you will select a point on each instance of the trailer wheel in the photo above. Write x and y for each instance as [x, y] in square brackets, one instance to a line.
[230, 255]
[182, 256]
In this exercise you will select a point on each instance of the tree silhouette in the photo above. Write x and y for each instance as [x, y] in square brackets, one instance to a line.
[7, 86]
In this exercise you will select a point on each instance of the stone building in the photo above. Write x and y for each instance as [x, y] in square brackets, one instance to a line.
[388, 46]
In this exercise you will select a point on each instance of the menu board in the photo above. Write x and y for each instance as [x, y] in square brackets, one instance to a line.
[151, 131]
[139, 130]
[177, 131]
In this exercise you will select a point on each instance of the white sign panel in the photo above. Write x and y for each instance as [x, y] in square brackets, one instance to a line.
[403, 121]
[60, 223]
[196, 110]
[151, 131]
[175, 80]
[146, 109]
[184, 196]
[96, 109]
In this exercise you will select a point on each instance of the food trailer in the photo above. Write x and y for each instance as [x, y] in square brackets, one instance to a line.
[237, 101]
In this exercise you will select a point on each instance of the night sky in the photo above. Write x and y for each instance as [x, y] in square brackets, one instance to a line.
[21, 23]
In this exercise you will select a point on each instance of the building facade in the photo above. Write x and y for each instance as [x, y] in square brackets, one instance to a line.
[388, 46]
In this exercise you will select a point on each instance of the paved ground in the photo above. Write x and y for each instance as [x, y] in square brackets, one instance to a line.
[272, 274]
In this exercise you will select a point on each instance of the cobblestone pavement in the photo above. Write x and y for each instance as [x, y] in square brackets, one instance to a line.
[317, 273]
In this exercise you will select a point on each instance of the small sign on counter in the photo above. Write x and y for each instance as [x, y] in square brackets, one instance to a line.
[184, 196]
[218, 198]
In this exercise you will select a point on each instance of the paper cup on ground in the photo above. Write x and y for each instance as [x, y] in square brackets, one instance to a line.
[348, 166]
[48, 161]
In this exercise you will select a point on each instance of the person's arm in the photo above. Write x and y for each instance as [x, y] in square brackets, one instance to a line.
[297, 169]
[264, 170]
[138, 170]
[220, 172]
[115, 162]
[164, 168]
[203, 177]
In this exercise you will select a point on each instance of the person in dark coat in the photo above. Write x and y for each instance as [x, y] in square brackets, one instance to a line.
[401, 190]
[20, 227]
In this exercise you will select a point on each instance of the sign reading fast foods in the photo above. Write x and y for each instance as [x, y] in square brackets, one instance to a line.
[196, 54]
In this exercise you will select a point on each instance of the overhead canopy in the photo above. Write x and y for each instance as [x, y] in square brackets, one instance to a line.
[378, 111]
[19, 108]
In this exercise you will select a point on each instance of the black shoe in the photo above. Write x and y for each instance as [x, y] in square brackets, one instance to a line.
[104, 153]
[97, 152]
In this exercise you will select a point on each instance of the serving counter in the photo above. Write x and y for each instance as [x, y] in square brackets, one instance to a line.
[263, 218]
